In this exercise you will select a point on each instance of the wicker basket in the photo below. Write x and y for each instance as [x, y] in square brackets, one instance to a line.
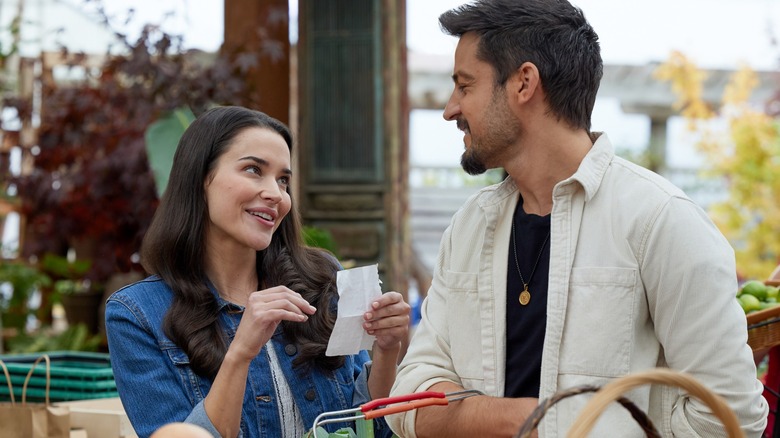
[764, 325]
[532, 422]
[613, 391]
[587, 418]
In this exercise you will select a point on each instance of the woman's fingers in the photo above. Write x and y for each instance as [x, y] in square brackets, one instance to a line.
[390, 304]
[281, 297]
[390, 337]
[388, 320]
[387, 324]
[264, 311]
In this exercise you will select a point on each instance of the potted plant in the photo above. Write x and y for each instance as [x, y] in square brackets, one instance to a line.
[18, 282]
[78, 295]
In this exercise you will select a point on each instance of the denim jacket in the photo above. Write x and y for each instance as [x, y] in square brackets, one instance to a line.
[157, 385]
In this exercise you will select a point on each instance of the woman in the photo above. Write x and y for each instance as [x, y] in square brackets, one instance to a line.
[231, 330]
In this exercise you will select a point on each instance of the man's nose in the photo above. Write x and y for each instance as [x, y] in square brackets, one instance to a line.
[452, 110]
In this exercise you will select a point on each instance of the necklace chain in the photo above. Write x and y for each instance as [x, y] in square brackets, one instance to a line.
[525, 295]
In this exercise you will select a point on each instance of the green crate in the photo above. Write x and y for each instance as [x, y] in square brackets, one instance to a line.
[74, 375]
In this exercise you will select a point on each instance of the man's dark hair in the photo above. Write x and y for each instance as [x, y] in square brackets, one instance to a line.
[552, 34]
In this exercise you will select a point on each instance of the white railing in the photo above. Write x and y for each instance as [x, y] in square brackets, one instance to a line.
[703, 190]
[450, 177]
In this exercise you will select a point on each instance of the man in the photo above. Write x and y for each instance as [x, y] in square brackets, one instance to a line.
[580, 267]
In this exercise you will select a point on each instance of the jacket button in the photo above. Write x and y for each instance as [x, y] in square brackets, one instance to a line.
[310, 395]
[290, 349]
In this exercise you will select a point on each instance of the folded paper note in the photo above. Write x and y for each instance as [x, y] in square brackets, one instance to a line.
[358, 288]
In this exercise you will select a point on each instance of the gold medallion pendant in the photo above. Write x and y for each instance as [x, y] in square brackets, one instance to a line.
[525, 297]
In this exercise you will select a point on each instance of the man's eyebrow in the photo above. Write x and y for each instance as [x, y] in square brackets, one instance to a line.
[461, 75]
[264, 163]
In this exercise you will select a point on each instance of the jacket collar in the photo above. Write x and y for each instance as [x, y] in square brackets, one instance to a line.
[589, 174]
[592, 168]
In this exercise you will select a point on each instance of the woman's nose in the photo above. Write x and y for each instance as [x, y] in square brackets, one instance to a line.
[271, 191]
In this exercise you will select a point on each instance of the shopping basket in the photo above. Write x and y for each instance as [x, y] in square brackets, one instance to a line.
[764, 325]
[364, 414]
[614, 390]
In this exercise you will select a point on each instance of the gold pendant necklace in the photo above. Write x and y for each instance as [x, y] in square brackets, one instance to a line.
[525, 295]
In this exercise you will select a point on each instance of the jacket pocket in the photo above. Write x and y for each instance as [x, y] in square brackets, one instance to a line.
[600, 322]
[196, 387]
[463, 319]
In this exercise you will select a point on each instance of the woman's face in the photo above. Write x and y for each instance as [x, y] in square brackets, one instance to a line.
[246, 192]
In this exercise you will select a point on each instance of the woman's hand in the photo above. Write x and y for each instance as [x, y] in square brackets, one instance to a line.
[388, 320]
[264, 311]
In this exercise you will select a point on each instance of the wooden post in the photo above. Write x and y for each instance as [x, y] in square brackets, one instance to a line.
[262, 27]
[396, 141]
[353, 122]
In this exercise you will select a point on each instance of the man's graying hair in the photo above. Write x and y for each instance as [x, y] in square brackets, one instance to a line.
[551, 34]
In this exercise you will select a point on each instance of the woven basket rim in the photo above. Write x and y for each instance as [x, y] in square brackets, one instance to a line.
[587, 418]
[532, 422]
[762, 315]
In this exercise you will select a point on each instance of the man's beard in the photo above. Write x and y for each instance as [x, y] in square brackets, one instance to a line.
[500, 129]
[471, 163]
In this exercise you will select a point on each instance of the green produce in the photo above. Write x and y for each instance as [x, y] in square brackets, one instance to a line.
[755, 288]
[754, 295]
[749, 303]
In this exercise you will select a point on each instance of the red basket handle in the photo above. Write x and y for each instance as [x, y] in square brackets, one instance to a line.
[401, 398]
[403, 407]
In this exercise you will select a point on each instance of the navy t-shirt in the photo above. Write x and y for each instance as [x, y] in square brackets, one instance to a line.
[525, 325]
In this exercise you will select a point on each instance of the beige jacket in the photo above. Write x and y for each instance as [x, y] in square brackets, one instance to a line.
[639, 277]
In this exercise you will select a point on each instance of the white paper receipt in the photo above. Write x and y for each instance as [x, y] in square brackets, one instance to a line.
[358, 288]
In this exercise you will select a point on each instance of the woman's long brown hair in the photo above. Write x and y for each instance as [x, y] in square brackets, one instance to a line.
[173, 249]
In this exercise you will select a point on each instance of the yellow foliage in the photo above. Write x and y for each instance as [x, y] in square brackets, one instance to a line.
[741, 85]
[687, 82]
[748, 157]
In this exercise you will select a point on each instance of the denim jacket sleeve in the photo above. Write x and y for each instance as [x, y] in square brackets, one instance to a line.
[199, 417]
[361, 395]
[362, 368]
[142, 372]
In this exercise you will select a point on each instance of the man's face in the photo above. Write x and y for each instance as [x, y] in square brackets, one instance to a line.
[480, 109]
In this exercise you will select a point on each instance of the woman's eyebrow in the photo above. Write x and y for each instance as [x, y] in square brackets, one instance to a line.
[264, 163]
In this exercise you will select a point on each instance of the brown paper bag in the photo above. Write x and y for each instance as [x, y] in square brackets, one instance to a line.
[32, 420]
